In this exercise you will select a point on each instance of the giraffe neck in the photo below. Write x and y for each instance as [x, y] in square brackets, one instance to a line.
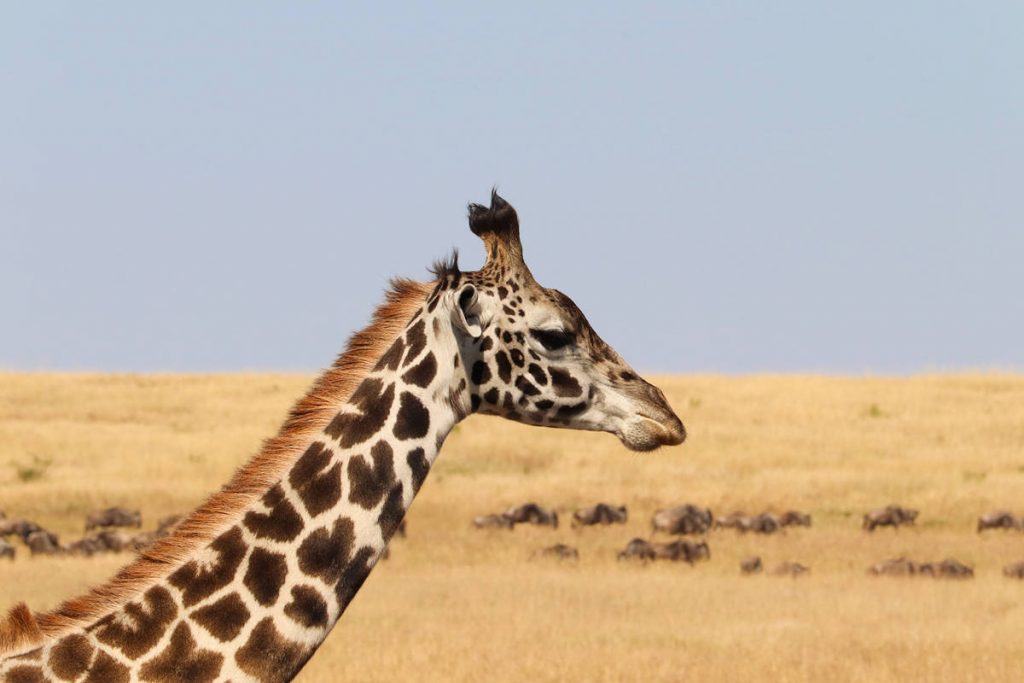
[257, 601]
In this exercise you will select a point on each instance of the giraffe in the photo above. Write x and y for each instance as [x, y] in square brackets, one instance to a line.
[250, 584]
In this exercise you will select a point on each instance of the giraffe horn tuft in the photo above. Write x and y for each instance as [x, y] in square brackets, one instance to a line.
[498, 226]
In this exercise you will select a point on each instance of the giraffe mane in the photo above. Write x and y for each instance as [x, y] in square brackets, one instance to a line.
[22, 629]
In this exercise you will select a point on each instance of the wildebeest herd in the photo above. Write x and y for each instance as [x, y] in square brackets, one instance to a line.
[108, 534]
[693, 520]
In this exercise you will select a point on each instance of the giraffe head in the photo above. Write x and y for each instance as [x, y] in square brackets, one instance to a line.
[530, 353]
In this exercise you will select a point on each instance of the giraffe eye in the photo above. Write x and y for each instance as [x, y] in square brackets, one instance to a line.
[552, 340]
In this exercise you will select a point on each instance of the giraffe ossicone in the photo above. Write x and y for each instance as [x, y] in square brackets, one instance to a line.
[252, 582]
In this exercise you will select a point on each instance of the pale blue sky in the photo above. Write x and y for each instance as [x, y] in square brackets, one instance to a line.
[721, 186]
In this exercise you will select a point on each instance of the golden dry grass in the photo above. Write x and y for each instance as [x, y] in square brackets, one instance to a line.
[454, 604]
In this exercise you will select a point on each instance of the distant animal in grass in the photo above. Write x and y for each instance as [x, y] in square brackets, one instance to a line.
[682, 551]
[1014, 571]
[1000, 519]
[18, 527]
[639, 549]
[899, 566]
[751, 565]
[111, 517]
[43, 542]
[891, 515]
[794, 518]
[531, 513]
[765, 523]
[683, 520]
[87, 546]
[559, 551]
[602, 513]
[950, 568]
[793, 569]
[6, 549]
[493, 522]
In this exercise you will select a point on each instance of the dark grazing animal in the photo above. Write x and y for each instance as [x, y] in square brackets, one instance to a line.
[683, 520]
[684, 551]
[751, 565]
[899, 566]
[493, 522]
[794, 518]
[43, 542]
[949, 568]
[891, 515]
[111, 517]
[18, 527]
[531, 513]
[765, 523]
[1014, 571]
[602, 513]
[638, 548]
[6, 549]
[793, 569]
[1000, 519]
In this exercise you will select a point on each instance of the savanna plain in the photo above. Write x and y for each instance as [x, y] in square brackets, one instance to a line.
[455, 603]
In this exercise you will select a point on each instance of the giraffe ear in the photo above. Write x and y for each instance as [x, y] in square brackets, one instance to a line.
[466, 314]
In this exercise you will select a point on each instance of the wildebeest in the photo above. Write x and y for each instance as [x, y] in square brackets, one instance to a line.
[765, 523]
[602, 513]
[1000, 519]
[115, 516]
[531, 513]
[493, 522]
[751, 565]
[1014, 571]
[793, 569]
[683, 519]
[18, 527]
[736, 520]
[899, 566]
[638, 548]
[682, 551]
[950, 568]
[6, 549]
[559, 551]
[794, 518]
[87, 546]
[891, 515]
[43, 542]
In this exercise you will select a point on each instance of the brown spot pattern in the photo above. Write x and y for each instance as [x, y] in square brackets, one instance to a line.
[416, 338]
[307, 607]
[413, 420]
[282, 523]
[324, 554]
[25, 674]
[368, 483]
[106, 669]
[320, 491]
[374, 402]
[564, 384]
[70, 657]
[392, 357]
[225, 618]
[417, 460]
[354, 576]
[391, 513]
[269, 656]
[265, 575]
[423, 373]
[182, 661]
[150, 619]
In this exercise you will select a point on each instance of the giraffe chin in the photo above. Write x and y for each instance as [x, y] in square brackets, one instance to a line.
[646, 434]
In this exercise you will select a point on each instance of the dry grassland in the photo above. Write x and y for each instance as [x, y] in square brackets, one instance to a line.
[454, 604]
